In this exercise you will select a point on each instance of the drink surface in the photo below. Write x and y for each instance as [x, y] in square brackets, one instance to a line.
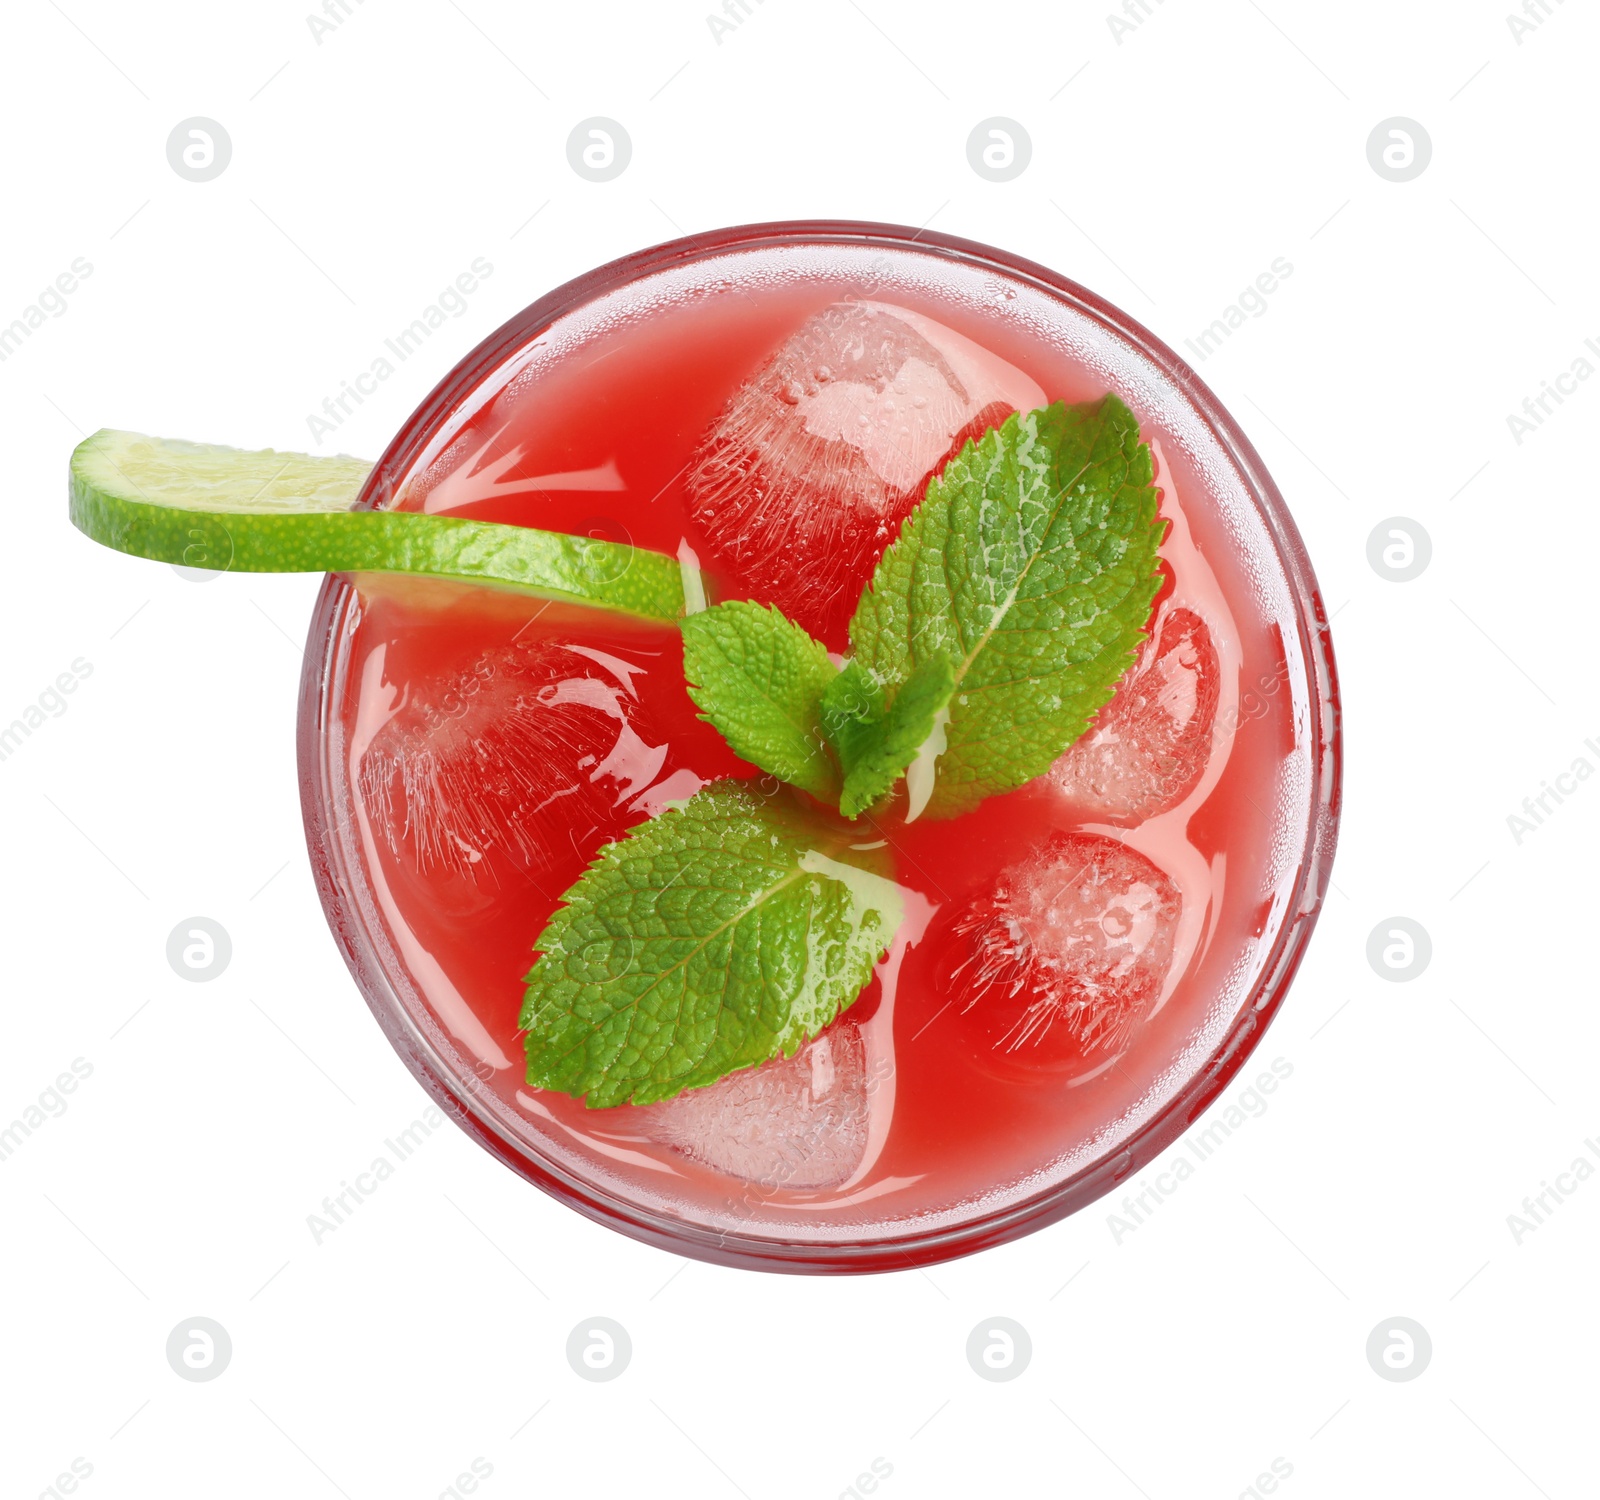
[1071, 952]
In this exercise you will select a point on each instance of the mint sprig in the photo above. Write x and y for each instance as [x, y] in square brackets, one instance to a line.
[714, 937]
[730, 930]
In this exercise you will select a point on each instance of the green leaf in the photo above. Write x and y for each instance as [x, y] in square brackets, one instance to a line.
[715, 937]
[1030, 565]
[853, 709]
[759, 680]
[877, 749]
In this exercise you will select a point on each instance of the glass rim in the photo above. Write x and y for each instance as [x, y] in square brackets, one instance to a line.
[752, 1249]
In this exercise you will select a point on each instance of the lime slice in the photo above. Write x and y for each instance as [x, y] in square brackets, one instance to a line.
[206, 506]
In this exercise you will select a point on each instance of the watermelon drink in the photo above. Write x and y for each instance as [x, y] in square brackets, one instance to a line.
[1063, 966]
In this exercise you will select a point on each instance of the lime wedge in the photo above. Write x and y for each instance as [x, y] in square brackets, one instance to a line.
[206, 506]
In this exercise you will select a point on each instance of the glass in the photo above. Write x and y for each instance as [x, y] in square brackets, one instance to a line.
[1199, 448]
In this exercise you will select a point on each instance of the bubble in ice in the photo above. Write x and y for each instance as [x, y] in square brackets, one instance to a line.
[1067, 952]
[798, 1122]
[506, 756]
[1147, 749]
[805, 477]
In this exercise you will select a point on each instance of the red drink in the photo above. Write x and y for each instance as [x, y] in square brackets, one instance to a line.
[1082, 961]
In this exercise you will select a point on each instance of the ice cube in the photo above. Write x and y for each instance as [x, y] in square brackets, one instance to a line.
[798, 1123]
[1148, 748]
[1067, 952]
[805, 477]
[505, 758]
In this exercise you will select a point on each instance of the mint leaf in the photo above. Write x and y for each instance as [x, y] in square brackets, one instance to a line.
[853, 709]
[758, 679]
[880, 749]
[1030, 565]
[712, 938]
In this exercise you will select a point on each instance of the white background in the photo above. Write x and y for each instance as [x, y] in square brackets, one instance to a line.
[1168, 169]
